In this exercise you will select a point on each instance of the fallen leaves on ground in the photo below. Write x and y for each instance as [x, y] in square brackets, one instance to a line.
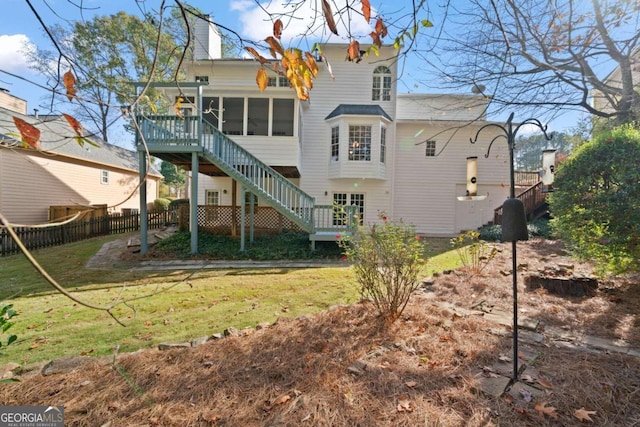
[405, 404]
[583, 415]
[543, 410]
[545, 383]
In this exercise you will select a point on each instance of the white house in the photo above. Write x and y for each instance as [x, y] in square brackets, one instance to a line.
[357, 141]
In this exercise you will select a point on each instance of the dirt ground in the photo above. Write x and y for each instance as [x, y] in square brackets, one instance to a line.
[343, 367]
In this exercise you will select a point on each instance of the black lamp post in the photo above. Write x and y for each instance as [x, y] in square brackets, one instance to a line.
[514, 219]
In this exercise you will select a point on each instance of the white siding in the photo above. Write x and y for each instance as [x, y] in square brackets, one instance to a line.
[236, 79]
[215, 184]
[207, 41]
[221, 184]
[31, 183]
[12, 103]
[274, 151]
[441, 107]
[352, 85]
[425, 188]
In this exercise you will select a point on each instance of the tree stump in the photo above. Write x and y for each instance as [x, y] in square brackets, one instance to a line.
[564, 286]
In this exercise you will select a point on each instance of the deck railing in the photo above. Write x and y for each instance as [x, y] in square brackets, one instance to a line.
[169, 130]
[526, 178]
[260, 177]
[532, 198]
[331, 218]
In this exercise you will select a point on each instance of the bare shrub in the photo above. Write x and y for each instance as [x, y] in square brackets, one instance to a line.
[387, 259]
[475, 254]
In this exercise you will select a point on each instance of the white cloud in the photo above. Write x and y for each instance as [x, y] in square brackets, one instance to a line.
[530, 129]
[13, 52]
[308, 21]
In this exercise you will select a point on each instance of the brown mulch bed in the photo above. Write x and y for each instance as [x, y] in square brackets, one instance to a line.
[343, 367]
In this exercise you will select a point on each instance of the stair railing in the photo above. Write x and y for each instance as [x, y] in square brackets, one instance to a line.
[532, 198]
[258, 176]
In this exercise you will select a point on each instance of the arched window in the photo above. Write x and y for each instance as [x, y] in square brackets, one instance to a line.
[381, 90]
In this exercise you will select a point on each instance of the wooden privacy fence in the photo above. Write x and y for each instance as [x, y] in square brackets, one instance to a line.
[37, 237]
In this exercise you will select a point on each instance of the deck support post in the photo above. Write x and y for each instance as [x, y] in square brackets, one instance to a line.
[252, 217]
[144, 223]
[243, 216]
[193, 211]
[234, 205]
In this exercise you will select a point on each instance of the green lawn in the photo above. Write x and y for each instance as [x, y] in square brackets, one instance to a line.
[183, 304]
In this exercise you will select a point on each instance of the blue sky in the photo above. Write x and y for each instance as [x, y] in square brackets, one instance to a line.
[19, 27]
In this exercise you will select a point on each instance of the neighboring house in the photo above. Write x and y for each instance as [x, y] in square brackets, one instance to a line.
[615, 81]
[356, 142]
[62, 172]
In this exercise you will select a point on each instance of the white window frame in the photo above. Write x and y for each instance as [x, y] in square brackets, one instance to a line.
[430, 148]
[383, 144]
[381, 87]
[335, 144]
[279, 131]
[212, 197]
[348, 199]
[104, 177]
[212, 214]
[360, 143]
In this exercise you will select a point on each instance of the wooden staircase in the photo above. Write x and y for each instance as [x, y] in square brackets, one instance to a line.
[534, 200]
[174, 138]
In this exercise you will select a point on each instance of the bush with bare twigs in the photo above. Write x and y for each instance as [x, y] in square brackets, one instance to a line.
[475, 254]
[387, 259]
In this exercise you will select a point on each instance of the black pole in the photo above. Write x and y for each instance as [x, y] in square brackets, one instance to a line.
[510, 134]
[514, 267]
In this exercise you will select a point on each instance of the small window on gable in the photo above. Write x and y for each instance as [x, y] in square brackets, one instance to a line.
[104, 177]
[381, 90]
[279, 81]
[430, 148]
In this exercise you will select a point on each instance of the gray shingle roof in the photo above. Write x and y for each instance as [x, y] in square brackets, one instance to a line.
[57, 137]
[358, 110]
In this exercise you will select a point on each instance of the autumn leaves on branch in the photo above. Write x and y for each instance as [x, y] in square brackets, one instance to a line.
[300, 67]
[30, 135]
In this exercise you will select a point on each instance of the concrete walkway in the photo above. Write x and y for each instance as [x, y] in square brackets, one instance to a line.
[225, 265]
